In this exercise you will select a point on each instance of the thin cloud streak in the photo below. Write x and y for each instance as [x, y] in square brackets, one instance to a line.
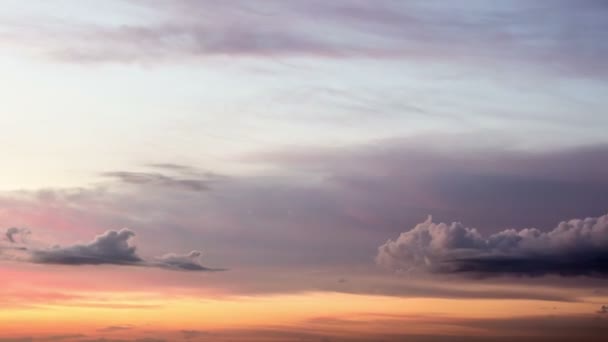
[514, 33]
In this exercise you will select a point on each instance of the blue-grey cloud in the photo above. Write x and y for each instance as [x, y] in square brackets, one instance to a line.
[113, 248]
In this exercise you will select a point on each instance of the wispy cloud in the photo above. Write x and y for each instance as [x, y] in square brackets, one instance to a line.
[115, 328]
[479, 33]
[158, 179]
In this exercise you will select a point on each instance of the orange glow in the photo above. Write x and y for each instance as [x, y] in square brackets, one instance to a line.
[330, 312]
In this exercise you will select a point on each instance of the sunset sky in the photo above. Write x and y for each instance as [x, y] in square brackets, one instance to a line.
[303, 170]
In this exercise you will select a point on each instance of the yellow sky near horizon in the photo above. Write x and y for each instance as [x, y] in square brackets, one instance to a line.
[334, 313]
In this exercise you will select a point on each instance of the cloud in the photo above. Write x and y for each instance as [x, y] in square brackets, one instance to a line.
[172, 167]
[576, 247]
[330, 209]
[389, 183]
[114, 328]
[603, 309]
[159, 179]
[113, 248]
[573, 36]
[185, 262]
[14, 231]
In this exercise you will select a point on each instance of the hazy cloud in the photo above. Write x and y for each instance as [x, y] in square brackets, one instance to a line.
[572, 36]
[190, 334]
[114, 328]
[186, 262]
[12, 232]
[62, 337]
[575, 247]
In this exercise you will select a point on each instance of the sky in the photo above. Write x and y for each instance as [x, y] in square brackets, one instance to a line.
[200, 170]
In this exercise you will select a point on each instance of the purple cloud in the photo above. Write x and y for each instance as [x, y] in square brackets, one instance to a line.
[575, 247]
[571, 36]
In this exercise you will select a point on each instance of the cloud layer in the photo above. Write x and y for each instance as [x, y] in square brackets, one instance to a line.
[575, 247]
[570, 35]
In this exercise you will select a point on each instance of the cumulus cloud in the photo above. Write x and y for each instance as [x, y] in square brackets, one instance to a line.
[159, 179]
[13, 232]
[113, 247]
[575, 247]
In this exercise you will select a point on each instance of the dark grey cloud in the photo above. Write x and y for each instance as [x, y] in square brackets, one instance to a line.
[576, 247]
[113, 248]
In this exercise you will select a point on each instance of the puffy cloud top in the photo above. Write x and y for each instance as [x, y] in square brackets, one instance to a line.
[575, 247]
[111, 247]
